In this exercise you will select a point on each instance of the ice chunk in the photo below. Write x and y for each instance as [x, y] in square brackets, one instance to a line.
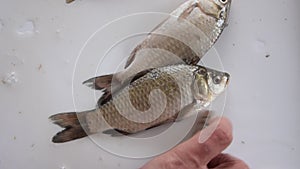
[10, 79]
[28, 28]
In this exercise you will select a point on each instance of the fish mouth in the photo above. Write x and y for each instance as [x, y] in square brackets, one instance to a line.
[227, 76]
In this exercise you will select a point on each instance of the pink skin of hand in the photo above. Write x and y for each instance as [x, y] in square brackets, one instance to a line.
[197, 153]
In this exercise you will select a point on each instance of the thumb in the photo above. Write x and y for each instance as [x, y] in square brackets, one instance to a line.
[194, 153]
[215, 138]
[209, 142]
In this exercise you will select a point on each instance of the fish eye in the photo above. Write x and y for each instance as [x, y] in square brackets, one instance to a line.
[223, 1]
[217, 79]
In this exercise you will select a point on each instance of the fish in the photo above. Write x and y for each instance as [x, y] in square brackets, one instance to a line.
[184, 37]
[155, 97]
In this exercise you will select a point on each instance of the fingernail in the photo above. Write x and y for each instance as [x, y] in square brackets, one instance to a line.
[208, 131]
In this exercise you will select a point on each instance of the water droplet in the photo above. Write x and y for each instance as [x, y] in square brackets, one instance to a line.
[10, 79]
[59, 31]
[28, 28]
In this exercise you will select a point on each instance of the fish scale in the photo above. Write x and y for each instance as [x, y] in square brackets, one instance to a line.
[165, 79]
[156, 97]
[178, 78]
[184, 37]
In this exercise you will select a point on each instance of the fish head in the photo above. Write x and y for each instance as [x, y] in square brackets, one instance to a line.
[217, 81]
[209, 83]
[219, 9]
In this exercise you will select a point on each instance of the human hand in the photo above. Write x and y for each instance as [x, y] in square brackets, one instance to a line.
[197, 153]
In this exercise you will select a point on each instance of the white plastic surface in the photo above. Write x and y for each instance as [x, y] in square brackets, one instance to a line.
[39, 44]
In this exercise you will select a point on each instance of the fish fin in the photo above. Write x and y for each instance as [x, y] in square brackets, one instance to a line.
[115, 132]
[164, 122]
[203, 117]
[99, 82]
[159, 25]
[105, 81]
[202, 120]
[139, 75]
[104, 98]
[140, 46]
[70, 122]
[187, 111]
[132, 55]
[69, 134]
[188, 11]
[107, 95]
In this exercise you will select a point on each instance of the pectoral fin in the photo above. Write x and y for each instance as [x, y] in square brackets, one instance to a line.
[188, 11]
[187, 111]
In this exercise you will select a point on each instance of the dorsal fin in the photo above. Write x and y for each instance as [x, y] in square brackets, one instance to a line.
[104, 98]
[107, 95]
[99, 82]
[139, 75]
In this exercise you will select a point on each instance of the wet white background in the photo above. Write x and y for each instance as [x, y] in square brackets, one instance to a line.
[39, 43]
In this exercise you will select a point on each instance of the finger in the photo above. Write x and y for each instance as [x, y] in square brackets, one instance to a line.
[201, 153]
[226, 161]
[195, 154]
[214, 139]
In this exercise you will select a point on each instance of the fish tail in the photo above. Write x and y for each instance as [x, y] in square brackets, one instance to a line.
[73, 128]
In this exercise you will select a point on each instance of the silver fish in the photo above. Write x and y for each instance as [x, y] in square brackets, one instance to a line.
[158, 96]
[184, 37]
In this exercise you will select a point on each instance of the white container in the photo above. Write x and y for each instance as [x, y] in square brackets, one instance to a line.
[41, 40]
